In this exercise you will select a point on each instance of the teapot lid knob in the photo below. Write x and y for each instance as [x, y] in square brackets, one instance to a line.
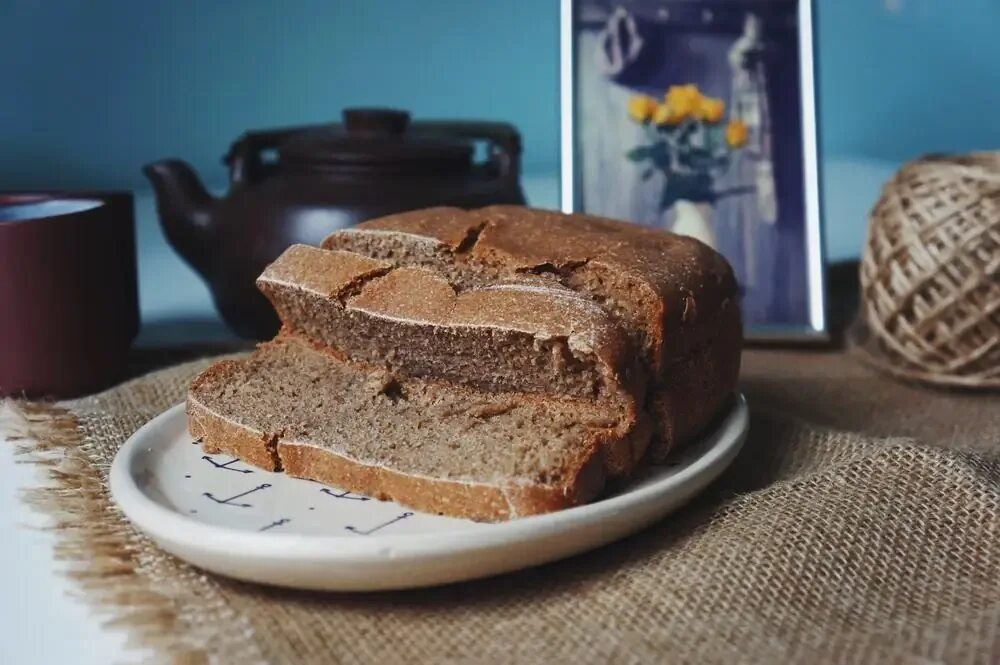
[385, 122]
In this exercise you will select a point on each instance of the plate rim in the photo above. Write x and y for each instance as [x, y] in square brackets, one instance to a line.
[163, 524]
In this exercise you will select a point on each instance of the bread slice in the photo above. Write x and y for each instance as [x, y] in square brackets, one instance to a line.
[535, 338]
[675, 296]
[431, 446]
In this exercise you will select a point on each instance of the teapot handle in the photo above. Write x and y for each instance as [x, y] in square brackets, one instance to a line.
[505, 142]
[245, 158]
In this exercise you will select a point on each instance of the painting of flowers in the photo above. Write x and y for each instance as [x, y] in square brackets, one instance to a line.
[688, 116]
[687, 143]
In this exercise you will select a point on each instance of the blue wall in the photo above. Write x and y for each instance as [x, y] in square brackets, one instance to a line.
[93, 89]
[90, 90]
[902, 77]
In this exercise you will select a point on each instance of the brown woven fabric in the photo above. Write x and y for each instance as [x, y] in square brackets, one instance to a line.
[816, 546]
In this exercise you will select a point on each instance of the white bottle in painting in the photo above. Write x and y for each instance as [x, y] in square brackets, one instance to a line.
[693, 219]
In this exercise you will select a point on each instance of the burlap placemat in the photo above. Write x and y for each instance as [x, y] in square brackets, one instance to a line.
[816, 546]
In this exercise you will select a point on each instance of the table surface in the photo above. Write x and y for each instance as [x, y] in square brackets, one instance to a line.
[40, 620]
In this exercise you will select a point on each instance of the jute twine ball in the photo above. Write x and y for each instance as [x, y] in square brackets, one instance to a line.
[930, 273]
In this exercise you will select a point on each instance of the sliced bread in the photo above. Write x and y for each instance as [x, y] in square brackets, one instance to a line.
[535, 338]
[432, 446]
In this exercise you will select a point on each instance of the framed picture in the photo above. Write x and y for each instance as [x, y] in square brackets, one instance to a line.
[699, 117]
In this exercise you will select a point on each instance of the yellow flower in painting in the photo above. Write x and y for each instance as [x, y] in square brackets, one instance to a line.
[683, 100]
[710, 109]
[736, 133]
[642, 108]
[665, 115]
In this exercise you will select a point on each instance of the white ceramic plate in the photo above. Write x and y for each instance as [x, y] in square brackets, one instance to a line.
[235, 520]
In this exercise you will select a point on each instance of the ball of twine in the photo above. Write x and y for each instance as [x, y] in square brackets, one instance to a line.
[930, 273]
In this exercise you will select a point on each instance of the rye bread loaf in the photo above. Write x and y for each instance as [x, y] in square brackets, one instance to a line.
[674, 295]
[432, 446]
[534, 338]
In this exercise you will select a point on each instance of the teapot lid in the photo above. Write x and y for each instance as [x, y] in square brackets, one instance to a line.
[376, 139]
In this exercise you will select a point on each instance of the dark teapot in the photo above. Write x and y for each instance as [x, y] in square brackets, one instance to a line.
[297, 185]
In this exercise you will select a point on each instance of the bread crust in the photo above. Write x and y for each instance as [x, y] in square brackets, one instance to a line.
[695, 389]
[219, 435]
[476, 501]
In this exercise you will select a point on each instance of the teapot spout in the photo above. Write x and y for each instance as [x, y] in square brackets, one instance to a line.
[185, 210]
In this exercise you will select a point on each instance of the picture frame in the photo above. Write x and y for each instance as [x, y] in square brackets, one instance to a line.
[700, 117]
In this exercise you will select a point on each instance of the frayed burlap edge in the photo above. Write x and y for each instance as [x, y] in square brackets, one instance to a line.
[99, 548]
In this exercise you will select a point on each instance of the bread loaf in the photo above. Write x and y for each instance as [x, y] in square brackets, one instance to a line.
[674, 296]
[487, 364]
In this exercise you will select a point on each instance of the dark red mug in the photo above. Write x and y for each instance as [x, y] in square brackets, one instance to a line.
[68, 292]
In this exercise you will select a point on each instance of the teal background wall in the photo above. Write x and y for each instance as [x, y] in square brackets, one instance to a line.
[90, 90]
